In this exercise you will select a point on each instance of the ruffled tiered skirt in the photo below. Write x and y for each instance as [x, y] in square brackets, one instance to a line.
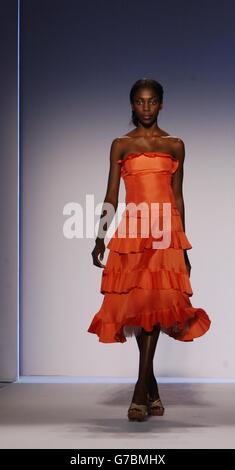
[144, 286]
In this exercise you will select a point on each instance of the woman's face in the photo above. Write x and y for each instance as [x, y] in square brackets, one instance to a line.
[146, 105]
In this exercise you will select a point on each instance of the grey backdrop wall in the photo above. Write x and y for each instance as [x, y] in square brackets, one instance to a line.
[78, 64]
[8, 191]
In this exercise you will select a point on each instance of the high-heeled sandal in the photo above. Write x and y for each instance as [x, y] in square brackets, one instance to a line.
[155, 407]
[137, 412]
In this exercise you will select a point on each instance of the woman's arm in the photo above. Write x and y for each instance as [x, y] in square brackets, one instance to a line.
[177, 187]
[111, 197]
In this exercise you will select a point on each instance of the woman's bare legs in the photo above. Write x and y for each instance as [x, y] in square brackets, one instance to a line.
[146, 382]
[152, 382]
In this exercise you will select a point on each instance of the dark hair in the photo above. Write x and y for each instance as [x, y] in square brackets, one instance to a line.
[144, 83]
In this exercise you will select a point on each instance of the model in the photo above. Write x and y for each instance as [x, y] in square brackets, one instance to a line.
[146, 285]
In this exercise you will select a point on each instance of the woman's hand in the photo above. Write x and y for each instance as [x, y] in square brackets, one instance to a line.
[98, 251]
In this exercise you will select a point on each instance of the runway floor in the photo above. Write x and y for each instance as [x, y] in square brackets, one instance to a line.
[92, 416]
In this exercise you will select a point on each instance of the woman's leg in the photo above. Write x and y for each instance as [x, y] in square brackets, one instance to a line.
[152, 382]
[146, 382]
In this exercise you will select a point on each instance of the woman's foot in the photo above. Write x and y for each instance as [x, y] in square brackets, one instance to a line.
[145, 401]
[138, 409]
[137, 412]
[155, 407]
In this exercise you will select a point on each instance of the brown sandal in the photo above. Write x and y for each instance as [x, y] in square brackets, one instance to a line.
[155, 407]
[137, 412]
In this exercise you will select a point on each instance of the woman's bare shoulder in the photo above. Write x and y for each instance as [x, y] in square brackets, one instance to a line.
[177, 147]
[121, 139]
[117, 148]
[118, 145]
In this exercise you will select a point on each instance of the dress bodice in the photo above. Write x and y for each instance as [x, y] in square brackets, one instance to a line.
[147, 177]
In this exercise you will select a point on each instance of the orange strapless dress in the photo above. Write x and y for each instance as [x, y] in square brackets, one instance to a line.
[144, 286]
